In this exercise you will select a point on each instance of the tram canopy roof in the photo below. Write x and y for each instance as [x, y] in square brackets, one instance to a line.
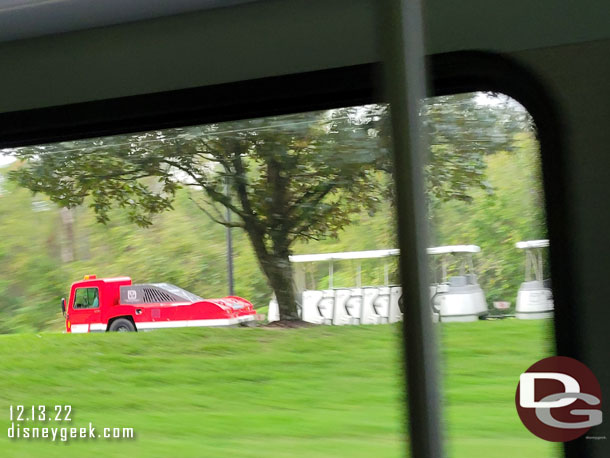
[320, 257]
[532, 244]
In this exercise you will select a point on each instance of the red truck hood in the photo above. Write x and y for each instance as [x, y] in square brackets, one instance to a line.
[238, 305]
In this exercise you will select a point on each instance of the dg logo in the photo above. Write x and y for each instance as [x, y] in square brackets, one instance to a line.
[559, 399]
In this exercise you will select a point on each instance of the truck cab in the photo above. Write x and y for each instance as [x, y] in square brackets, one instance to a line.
[90, 301]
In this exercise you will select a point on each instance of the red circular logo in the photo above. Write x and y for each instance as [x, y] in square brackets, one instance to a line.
[559, 399]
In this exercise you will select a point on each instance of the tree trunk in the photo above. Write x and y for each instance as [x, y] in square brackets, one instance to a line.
[278, 271]
[274, 259]
[67, 244]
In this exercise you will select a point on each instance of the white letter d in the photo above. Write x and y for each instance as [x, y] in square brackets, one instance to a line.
[527, 390]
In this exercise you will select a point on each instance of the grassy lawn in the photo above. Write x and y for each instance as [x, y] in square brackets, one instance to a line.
[312, 392]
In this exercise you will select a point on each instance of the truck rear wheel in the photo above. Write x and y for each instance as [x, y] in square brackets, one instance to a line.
[122, 325]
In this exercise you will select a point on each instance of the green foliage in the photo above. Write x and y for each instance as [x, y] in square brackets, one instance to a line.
[461, 132]
[28, 276]
[33, 277]
[298, 177]
[496, 221]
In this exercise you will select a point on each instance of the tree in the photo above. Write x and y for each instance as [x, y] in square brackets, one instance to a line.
[290, 178]
[297, 177]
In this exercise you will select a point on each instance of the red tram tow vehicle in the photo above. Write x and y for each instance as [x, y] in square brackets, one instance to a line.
[115, 304]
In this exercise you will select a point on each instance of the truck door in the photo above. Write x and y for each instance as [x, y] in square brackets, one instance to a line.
[85, 309]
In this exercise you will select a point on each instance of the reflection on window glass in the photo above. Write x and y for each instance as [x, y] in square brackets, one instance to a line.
[307, 199]
[179, 292]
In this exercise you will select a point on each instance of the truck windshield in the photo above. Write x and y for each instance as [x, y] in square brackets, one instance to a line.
[178, 292]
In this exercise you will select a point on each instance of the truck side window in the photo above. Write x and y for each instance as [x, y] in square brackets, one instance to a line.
[86, 298]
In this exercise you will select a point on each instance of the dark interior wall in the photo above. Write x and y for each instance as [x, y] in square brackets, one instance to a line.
[230, 44]
[265, 38]
[577, 77]
[32, 18]
[508, 26]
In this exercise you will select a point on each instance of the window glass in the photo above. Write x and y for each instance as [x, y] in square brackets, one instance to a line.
[302, 205]
[486, 219]
[86, 298]
[179, 292]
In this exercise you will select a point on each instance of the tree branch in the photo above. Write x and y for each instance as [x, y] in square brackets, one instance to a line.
[215, 195]
[219, 221]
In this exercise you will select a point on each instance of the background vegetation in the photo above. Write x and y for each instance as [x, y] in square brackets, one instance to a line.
[295, 178]
[186, 248]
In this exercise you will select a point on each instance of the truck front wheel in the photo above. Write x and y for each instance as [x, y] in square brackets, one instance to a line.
[122, 325]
